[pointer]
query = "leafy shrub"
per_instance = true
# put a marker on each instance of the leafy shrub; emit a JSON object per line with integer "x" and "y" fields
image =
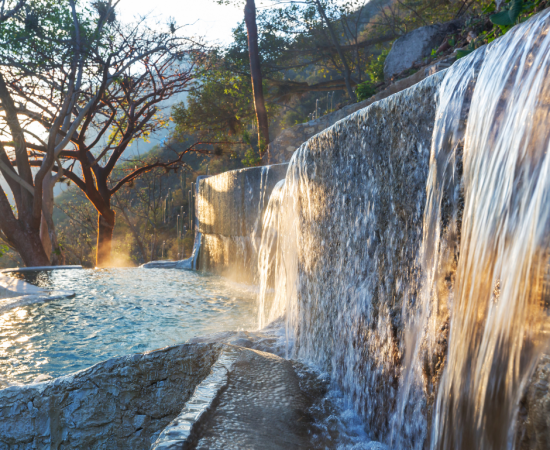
{"x": 364, "y": 90}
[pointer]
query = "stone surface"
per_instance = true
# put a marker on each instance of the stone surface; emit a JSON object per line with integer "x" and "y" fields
{"x": 230, "y": 203}
{"x": 534, "y": 413}
{"x": 229, "y": 210}
{"x": 159, "y": 265}
{"x": 414, "y": 46}
{"x": 361, "y": 194}
{"x": 233, "y": 257}
{"x": 262, "y": 406}
{"x": 40, "y": 268}
{"x": 122, "y": 403}
{"x": 178, "y": 434}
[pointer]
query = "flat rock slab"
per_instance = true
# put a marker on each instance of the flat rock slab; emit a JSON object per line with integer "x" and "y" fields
{"x": 261, "y": 407}
{"x": 252, "y": 400}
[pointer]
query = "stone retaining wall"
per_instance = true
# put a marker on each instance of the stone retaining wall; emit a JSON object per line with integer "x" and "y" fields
{"x": 229, "y": 210}
{"x": 122, "y": 403}
{"x": 361, "y": 191}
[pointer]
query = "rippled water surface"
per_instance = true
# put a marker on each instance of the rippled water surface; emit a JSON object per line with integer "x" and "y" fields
{"x": 116, "y": 312}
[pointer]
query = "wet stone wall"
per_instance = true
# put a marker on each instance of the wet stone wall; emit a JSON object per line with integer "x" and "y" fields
{"x": 229, "y": 210}
{"x": 361, "y": 190}
{"x": 122, "y": 403}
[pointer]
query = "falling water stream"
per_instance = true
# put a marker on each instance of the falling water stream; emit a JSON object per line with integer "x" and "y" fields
{"x": 479, "y": 324}
{"x": 497, "y": 315}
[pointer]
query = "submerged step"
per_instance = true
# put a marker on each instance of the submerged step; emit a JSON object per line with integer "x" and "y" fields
{"x": 251, "y": 399}
{"x": 15, "y": 293}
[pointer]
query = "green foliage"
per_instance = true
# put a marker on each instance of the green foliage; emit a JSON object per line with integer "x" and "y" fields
{"x": 514, "y": 11}
{"x": 462, "y": 53}
{"x": 375, "y": 71}
{"x": 3, "y": 249}
{"x": 364, "y": 90}
{"x": 41, "y": 36}
{"x": 375, "y": 67}
{"x": 221, "y": 105}
{"x": 251, "y": 158}
{"x": 509, "y": 16}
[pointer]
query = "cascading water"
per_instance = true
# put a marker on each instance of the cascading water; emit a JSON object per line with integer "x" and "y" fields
{"x": 427, "y": 310}
{"x": 426, "y": 321}
{"x": 277, "y": 255}
{"x": 497, "y": 315}
{"x": 269, "y": 309}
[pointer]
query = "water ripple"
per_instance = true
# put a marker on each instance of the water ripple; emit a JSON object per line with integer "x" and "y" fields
{"x": 116, "y": 312}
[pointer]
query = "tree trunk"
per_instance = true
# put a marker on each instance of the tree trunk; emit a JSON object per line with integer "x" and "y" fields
{"x": 21, "y": 235}
{"x": 256, "y": 73}
{"x": 105, "y": 227}
{"x": 47, "y": 227}
{"x": 45, "y": 237}
{"x": 31, "y": 250}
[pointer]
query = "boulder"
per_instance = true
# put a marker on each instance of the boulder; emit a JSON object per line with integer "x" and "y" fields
{"x": 411, "y": 48}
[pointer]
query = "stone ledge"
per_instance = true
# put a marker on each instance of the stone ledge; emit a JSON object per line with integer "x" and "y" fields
{"x": 122, "y": 403}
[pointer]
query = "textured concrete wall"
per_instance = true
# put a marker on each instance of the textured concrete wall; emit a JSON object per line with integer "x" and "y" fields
{"x": 230, "y": 203}
{"x": 361, "y": 188}
{"x": 122, "y": 403}
{"x": 229, "y": 209}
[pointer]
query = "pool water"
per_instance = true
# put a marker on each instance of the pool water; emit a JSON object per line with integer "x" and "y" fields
{"x": 116, "y": 312}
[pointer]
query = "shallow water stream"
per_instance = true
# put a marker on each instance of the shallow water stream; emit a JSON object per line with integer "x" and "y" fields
{"x": 116, "y": 312}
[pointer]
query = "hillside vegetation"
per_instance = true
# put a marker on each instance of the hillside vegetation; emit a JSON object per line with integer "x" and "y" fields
{"x": 315, "y": 57}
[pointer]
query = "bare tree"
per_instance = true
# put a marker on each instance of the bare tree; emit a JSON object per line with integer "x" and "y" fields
{"x": 44, "y": 64}
{"x": 122, "y": 100}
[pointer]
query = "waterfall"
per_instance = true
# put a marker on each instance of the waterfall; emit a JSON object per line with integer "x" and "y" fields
{"x": 277, "y": 256}
{"x": 426, "y": 321}
{"x": 269, "y": 308}
{"x": 497, "y": 315}
{"x": 413, "y": 270}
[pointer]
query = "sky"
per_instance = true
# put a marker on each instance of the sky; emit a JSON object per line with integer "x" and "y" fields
{"x": 203, "y": 17}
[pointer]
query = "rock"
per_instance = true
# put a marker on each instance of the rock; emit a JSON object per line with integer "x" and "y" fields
{"x": 251, "y": 400}
{"x": 229, "y": 208}
{"x": 361, "y": 193}
{"x": 122, "y": 403}
{"x": 159, "y": 265}
{"x": 534, "y": 411}
{"x": 411, "y": 48}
